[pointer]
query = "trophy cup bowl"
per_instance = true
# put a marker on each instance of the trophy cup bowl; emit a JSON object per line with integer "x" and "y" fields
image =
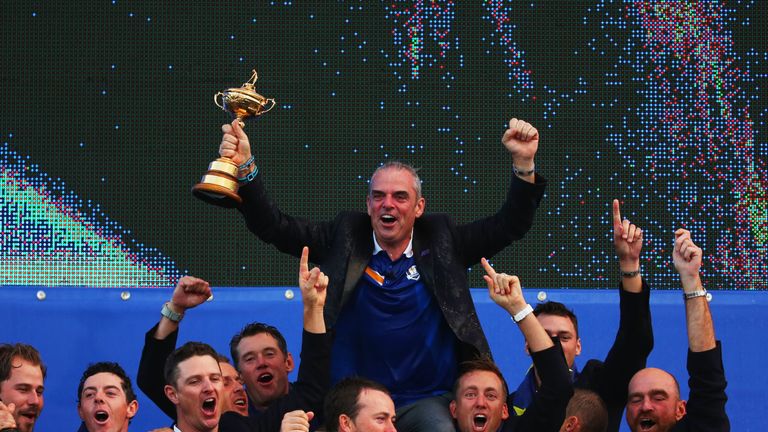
{"x": 219, "y": 185}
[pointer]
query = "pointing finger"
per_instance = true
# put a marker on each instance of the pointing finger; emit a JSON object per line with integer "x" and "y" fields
{"x": 616, "y": 216}
{"x": 487, "y": 267}
{"x": 304, "y": 261}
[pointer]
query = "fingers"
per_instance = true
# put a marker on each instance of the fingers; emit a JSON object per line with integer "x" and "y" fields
{"x": 228, "y": 146}
{"x": 304, "y": 261}
{"x": 685, "y": 247}
{"x": 624, "y": 229}
{"x": 489, "y": 282}
{"x": 317, "y": 279}
{"x": 522, "y": 130}
{"x": 487, "y": 267}
{"x": 193, "y": 285}
{"x": 296, "y": 421}
{"x": 616, "y": 217}
{"x": 322, "y": 282}
{"x": 6, "y": 416}
{"x": 495, "y": 283}
{"x": 237, "y": 129}
{"x": 512, "y": 284}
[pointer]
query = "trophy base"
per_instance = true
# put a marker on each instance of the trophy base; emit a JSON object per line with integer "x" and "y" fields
{"x": 219, "y": 185}
{"x": 216, "y": 195}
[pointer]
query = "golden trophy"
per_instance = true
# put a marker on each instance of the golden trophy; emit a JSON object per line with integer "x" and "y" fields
{"x": 219, "y": 185}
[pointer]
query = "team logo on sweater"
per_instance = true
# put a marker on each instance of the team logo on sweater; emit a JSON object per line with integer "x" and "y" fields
{"x": 412, "y": 273}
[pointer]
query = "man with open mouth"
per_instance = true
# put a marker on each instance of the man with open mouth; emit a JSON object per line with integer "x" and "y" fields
{"x": 261, "y": 358}
{"x": 633, "y": 342}
{"x": 480, "y": 392}
{"x": 194, "y": 386}
{"x": 106, "y": 400}
{"x": 397, "y": 275}
{"x": 654, "y": 403}
{"x": 22, "y": 373}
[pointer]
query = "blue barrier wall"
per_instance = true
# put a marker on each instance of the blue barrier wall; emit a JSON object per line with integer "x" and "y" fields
{"x": 76, "y": 326}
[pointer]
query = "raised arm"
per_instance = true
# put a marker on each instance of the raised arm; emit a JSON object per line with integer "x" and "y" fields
{"x": 687, "y": 259}
{"x": 547, "y": 409}
{"x": 160, "y": 341}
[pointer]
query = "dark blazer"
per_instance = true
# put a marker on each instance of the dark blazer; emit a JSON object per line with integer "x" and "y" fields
{"x": 705, "y": 410}
{"x": 547, "y": 409}
{"x": 307, "y": 393}
{"x": 630, "y": 350}
{"x": 442, "y": 249}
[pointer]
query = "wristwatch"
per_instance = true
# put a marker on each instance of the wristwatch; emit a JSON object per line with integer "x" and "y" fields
{"x": 522, "y": 314}
{"x": 171, "y": 315}
{"x": 692, "y": 295}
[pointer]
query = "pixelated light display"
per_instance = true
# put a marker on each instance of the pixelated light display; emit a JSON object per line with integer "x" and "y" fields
{"x": 657, "y": 103}
{"x": 50, "y": 237}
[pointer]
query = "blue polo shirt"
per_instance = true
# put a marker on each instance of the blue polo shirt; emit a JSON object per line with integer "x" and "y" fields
{"x": 392, "y": 331}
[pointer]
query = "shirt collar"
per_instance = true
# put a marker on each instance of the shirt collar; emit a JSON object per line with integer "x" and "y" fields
{"x": 408, "y": 250}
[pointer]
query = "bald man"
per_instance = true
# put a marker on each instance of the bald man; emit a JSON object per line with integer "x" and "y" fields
{"x": 654, "y": 402}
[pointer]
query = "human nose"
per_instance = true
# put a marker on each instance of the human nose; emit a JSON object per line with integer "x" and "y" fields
{"x": 261, "y": 361}
{"x": 208, "y": 385}
{"x": 34, "y": 398}
{"x": 646, "y": 405}
{"x": 390, "y": 427}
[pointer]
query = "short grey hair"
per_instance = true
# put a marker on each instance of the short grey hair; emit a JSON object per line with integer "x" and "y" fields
{"x": 398, "y": 166}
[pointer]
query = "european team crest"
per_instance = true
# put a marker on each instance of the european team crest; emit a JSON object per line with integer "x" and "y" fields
{"x": 412, "y": 273}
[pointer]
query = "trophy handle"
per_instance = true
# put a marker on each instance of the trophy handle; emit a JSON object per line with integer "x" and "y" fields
{"x": 272, "y": 102}
{"x": 216, "y": 100}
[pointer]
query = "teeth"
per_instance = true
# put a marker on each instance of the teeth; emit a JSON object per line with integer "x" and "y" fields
{"x": 101, "y": 416}
{"x": 265, "y": 378}
{"x": 209, "y": 403}
{"x": 480, "y": 420}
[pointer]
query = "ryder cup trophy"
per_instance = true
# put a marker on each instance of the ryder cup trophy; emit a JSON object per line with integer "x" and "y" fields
{"x": 219, "y": 185}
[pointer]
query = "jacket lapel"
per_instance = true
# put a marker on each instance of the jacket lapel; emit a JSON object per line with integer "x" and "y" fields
{"x": 423, "y": 257}
{"x": 358, "y": 260}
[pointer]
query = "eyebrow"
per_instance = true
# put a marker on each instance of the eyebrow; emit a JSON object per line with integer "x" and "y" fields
{"x": 652, "y": 392}
{"x": 105, "y": 388}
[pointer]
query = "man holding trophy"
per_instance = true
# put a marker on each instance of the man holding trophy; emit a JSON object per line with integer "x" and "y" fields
{"x": 398, "y": 297}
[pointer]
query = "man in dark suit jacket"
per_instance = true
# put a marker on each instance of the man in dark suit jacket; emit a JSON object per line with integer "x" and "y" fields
{"x": 634, "y": 339}
{"x": 654, "y": 395}
{"x": 260, "y": 353}
{"x": 398, "y": 276}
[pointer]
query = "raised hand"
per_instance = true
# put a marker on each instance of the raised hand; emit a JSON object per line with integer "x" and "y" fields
{"x": 313, "y": 283}
{"x": 296, "y": 421}
{"x": 686, "y": 256}
{"x": 234, "y": 143}
{"x": 6, "y": 416}
{"x": 189, "y": 292}
{"x": 627, "y": 239}
{"x": 522, "y": 140}
{"x": 505, "y": 290}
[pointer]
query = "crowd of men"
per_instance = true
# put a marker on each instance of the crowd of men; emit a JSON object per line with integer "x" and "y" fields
{"x": 397, "y": 275}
